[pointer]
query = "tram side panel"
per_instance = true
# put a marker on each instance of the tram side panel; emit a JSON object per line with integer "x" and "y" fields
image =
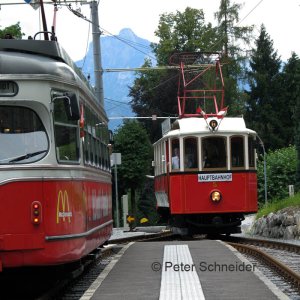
{"x": 77, "y": 215}
{"x": 97, "y": 201}
{"x": 18, "y": 233}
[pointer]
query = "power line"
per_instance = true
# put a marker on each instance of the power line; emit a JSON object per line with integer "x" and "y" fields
{"x": 80, "y": 15}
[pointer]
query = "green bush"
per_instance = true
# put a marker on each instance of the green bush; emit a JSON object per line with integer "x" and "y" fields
{"x": 281, "y": 170}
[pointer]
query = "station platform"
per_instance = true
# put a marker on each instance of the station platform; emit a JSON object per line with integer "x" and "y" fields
{"x": 202, "y": 269}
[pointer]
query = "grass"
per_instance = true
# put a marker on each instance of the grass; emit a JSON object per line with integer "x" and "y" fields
{"x": 278, "y": 205}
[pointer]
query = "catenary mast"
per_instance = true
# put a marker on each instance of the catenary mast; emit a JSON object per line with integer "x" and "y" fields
{"x": 97, "y": 53}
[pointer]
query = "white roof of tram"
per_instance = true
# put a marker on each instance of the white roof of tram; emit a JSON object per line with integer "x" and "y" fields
{"x": 194, "y": 126}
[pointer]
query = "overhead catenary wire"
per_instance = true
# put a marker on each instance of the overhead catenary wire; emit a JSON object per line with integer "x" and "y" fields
{"x": 80, "y": 15}
{"x": 87, "y": 46}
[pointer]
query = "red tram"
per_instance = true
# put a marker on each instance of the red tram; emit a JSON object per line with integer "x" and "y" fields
{"x": 205, "y": 163}
{"x": 55, "y": 180}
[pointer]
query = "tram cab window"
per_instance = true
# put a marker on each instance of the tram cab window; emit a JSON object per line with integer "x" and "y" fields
{"x": 190, "y": 153}
{"x": 214, "y": 152}
{"x": 23, "y": 138}
{"x": 66, "y": 133}
{"x": 175, "y": 154}
{"x": 237, "y": 152}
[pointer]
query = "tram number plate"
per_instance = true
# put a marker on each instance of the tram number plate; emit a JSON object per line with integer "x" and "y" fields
{"x": 8, "y": 88}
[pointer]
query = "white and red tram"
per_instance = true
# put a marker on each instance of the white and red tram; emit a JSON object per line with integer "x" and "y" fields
{"x": 205, "y": 164}
{"x": 55, "y": 180}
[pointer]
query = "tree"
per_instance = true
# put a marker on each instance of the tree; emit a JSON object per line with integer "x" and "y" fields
{"x": 183, "y": 32}
{"x": 262, "y": 106}
{"x": 131, "y": 140}
{"x": 230, "y": 35}
{"x": 14, "y": 30}
{"x": 281, "y": 167}
{"x": 292, "y": 82}
{"x": 156, "y": 92}
{"x": 289, "y": 83}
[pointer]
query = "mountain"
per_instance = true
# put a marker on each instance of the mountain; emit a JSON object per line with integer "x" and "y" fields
{"x": 126, "y": 50}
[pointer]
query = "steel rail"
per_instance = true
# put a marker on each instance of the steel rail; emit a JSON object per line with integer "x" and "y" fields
{"x": 265, "y": 243}
{"x": 281, "y": 268}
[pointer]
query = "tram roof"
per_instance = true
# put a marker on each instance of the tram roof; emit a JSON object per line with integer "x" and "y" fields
{"x": 194, "y": 126}
{"x": 42, "y": 50}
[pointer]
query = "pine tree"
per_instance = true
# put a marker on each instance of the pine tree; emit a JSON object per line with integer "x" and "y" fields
{"x": 292, "y": 75}
{"x": 289, "y": 92}
{"x": 262, "y": 105}
{"x": 230, "y": 37}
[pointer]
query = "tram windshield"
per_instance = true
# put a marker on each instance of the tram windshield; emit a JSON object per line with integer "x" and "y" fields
{"x": 23, "y": 138}
{"x": 214, "y": 152}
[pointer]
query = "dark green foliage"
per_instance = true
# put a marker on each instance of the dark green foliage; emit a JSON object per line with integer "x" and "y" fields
{"x": 14, "y": 30}
{"x": 154, "y": 93}
{"x": 183, "y": 32}
{"x": 289, "y": 88}
{"x": 131, "y": 140}
{"x": 291, "y": 83}
{"x": 281, "y": 168}
{"x": 263, "y": 103}
{"x": 230, "y": 35}
{"x": 147, "y": 203}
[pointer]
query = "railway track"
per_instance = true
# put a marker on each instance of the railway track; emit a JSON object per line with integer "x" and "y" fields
{"x": 282, "y": 261}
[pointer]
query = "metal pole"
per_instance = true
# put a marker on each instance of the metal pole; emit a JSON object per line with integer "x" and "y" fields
{"x": 265, "y": 170}
{"x": 44, "y": 21}
{"x": 117, "y": 202}
{"x": 97, "y": 53}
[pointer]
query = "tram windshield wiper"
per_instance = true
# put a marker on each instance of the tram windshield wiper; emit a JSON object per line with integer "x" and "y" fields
{"x": 26, "y": 156}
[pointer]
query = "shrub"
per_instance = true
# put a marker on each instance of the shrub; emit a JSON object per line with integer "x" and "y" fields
{"x": 281, "y": 170}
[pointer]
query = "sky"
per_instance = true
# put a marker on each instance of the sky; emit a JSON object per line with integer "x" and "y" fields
{"x": 281, "y": 19}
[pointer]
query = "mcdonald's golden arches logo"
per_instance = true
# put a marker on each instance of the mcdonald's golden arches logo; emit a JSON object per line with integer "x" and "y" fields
{"x": 63, "y": 211}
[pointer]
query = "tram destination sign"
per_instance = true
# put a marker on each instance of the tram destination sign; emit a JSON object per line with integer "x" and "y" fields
{"x": 8, "y": 88}
{"x": 215, "y": 177}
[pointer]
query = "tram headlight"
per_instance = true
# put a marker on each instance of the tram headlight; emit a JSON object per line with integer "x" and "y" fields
{"x": 215, "y": 196}
{"x": 213, "y": 124}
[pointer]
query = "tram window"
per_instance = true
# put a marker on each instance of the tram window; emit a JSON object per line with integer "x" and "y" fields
{"x": 251, "y": 150}
{"x": 102, "y": 155}
{"x": 97, "y": 152}
{"x": 66, "y": 134}
{"x": 237, "y": 151}
{"x": 85, "y": 147}
{"x": 92, "y": 140}
{"x": 190, "y": 153}
{"x": 214, "y": 152}
{"x": 23, "y": 138}
{"x": 175, "y": 154}
{"x": 66, "y": 139}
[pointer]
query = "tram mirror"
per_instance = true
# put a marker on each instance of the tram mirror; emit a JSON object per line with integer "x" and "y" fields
{"x": 72, "y": 107}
